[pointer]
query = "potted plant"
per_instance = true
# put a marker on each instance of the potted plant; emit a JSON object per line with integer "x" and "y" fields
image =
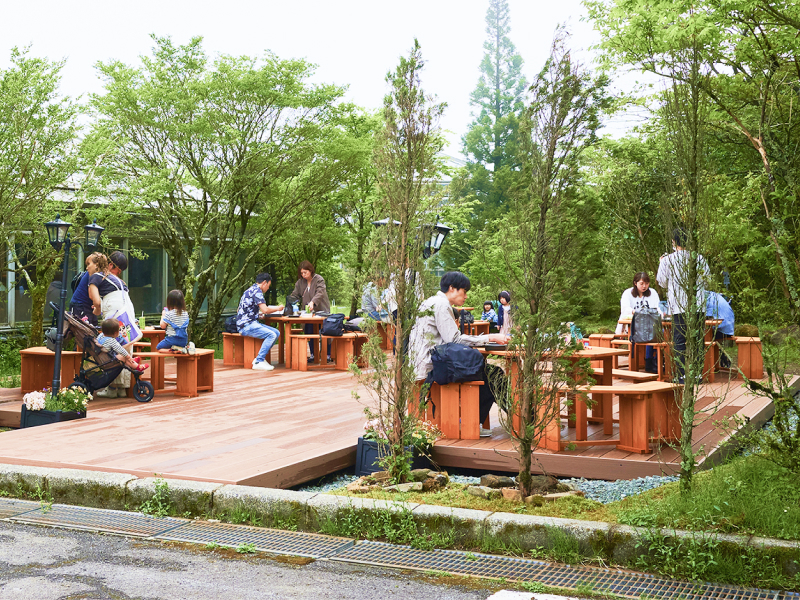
{"x": 372, "y": 450}
{"x": 41, "y": 408}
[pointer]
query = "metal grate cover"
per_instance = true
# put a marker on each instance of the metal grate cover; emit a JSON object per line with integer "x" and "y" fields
{"x": 96, "y": 519}
{"x": 10, "y": 507}
{"x": 621, "y": 583}
{"x": 267, "y": 540}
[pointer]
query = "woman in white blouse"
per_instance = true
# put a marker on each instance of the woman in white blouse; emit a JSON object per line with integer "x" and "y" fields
{"x": 636, "y": 297}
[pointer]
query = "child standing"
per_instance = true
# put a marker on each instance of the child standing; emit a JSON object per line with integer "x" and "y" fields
{"x": 488, "y": 313}
{"x": 175, "y": 320}
{"x": 504, "y": 314}
{"x": 108, "y": 340}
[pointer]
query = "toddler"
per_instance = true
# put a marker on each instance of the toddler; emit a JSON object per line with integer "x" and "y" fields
{"x": 175, "y": 320}
{"x": 108, "y": 340}
{"x": 488, "y": 313}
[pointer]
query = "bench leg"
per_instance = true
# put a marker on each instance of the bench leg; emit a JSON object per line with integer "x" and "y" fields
{"x": 633, "y": 423}
{"x": 186, "y": 382}
{"x": 450, "y": 414}
{"x": 470, "y": 411}
{"x": 435, "y": 402}
{"x": 250, "y": 349}
{"x": 665, "y": 417}
{"x": 298, "y": 351}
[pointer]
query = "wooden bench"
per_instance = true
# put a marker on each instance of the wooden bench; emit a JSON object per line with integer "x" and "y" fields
{"x": 457, "y": 412}
{"x": 749, "y": 357}
{"x": 195, "y": 372}
{"x": 343, "y": 349}
{"x": 239, "y": 350}
{"x": 635, "y": 376}
{"x": 386, "y": 331}
{"x": 38, "y": 364}
{"x": 643, "y": 408}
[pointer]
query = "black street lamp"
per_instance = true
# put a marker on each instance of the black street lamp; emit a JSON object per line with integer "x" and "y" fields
{"x": 58, "y": 235}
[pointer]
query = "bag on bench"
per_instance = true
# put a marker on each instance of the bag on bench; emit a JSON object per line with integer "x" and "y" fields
{"x": 646, "y": 326}
{"x": 333, "y": 325}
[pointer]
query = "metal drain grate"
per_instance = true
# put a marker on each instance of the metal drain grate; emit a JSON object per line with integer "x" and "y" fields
{"x": 10, "y": 507}
{"x": 267, "y": 540}
{"x": 96, "y": 519}
{"x": 621, "y": 583}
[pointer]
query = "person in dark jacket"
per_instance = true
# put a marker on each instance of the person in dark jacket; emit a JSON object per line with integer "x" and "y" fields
{"x": 311, "y": 290}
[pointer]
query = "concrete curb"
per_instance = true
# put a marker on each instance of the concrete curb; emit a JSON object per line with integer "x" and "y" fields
{"x": 304, "y": 511}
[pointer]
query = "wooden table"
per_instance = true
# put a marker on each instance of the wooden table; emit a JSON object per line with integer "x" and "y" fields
{"x": 38, "y": 364}
{"x": 478, "y": 328}
{"x": 154, "y": 336}
{"x": 635, "y": 357}
{"x": 195, "y": 372}
{"x": 301, "y": 320}
{"x": 603, "y": 408}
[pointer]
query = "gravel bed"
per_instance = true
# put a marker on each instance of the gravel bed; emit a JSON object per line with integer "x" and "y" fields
{"x": 601, "y": 491}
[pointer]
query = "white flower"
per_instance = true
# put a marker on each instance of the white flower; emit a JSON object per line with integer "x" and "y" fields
{"x": 34, "y": 400}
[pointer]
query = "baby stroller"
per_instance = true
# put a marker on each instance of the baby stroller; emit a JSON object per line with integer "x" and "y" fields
{"x": 99, "y": 367}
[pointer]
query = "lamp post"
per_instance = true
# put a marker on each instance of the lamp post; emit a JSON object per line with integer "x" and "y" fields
{"x": 58, "y": 235}
{"x": 434, "y": 235}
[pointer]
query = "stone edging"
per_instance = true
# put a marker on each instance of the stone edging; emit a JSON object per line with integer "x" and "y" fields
{"x": 308, "y": 511}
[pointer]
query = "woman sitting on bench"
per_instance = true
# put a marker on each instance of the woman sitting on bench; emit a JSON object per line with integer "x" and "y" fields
{"x": 438, "y": 327}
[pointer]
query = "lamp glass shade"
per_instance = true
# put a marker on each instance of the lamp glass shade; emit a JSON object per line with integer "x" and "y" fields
{"x": 57, "y": 232}
{"x": 93, "y": 232}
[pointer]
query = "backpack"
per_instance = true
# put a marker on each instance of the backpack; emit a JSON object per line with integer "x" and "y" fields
{"x": 465, "y": 318}
{"x": 76, "y": 280}
{"x": 351, "y": 328}
{"x": 230, "y": 325}
{"x": 454, "y": 363}
{"x": 333, "y": 325}
{"x": 646, "y": 326}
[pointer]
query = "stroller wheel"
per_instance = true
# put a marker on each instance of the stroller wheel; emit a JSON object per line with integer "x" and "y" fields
{"x": 77, "y": 385}
{"x": 143, "y": 391}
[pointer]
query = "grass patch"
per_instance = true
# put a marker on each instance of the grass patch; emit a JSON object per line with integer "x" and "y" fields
{"x": 748, "y": 495}
{"x": 10, "y": 363}
{"x": 573, "y": 507}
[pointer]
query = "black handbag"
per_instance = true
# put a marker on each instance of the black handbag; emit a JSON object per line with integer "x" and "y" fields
{"x": 646, "y": 326}
{"x": 333, "y": 325}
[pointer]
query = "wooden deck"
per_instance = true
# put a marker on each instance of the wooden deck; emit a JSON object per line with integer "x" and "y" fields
{"x": 283, "y": 428}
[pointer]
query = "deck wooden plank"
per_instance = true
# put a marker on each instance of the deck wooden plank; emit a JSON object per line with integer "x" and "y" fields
{"x": 286, "y": 427}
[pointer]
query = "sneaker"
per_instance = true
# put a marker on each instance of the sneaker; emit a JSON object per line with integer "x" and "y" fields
{"x": 179, "y": 349}
{"x": 122, "y": 392}
{"x": 263, "y": 366}
{"x": 190, "y": 348}
{"x": 109, "y": 392}
{"x": 485, "y": 432}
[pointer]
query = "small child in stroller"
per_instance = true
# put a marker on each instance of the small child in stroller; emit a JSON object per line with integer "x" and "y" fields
{"x": 108, "y": 339}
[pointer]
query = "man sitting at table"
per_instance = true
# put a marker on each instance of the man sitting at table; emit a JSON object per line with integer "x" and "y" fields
{"x": 251, "y": 307}
{"x": 439, "y": 327}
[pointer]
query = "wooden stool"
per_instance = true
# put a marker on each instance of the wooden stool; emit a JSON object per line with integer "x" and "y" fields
{"x": 38, "y": 364}
{"x": 239, "y": 350}
{"x": 457, "y": 412}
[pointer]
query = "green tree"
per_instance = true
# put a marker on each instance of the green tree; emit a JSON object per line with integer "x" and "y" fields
{"x": 408, "y": 167}
{"x": 556, "y": 129}
{"x": 219, "y": 158}
{"x": 38, "y": 155}
{"x": 749, "y": 49}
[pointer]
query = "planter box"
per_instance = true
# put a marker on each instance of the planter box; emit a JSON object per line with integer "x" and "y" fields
{"x": 368, "y": 452}
{"x": 32, "y": 418}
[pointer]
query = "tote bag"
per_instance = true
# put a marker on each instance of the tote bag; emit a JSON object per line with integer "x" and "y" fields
{"x": 117, "y": 305}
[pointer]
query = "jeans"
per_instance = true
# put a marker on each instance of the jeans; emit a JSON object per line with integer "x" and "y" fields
{"x": 680, "y": 333}
{"x": 260, "y": 331}
{"x": 173, "y": 340}
{"x": 378, "y": 316}
{"x": 309, "y": 329}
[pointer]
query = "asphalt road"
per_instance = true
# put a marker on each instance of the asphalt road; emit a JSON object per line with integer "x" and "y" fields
{"x": 38, "y": 563}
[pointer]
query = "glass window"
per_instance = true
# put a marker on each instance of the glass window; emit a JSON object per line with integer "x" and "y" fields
{"x": 145, "y": 280}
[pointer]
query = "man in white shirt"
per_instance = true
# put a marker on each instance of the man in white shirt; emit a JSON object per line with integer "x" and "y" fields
{"x": 436, "y": 326}
{"x": 673, "y": 272}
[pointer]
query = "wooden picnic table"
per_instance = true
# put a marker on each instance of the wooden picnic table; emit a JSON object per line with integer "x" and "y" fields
{"x": 195, "y": 372}
{"x": 287, "y": 322}
{"x": 603, "y": 407}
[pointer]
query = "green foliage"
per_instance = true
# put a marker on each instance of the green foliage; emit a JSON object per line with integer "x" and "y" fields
{"x": 214, "y": 160}
{"x": 38, "y": 155}
{"x": 748, "y": 495}
{"x": 10, "y": 363}
{"x": 246, "y": 548}
{"x": 159, "y": 505}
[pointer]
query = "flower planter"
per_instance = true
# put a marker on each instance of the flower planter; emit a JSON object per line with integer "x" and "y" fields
{"x": 368, "y": 452}
{"x": 32, "y": 418}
